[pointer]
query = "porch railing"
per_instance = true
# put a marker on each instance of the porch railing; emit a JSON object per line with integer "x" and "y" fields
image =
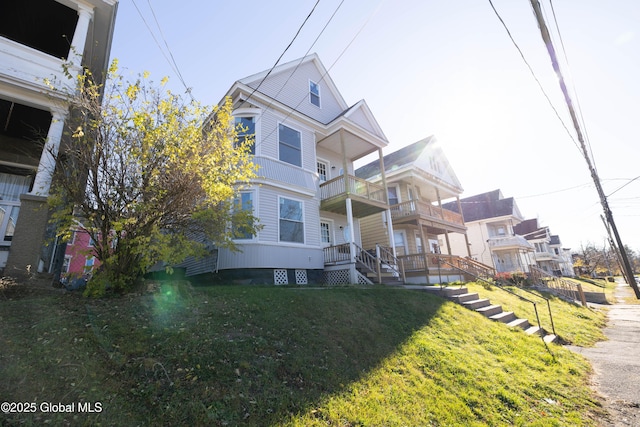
{"x": 354, "y": 185}
{"x": 413, "y": 207}
{"x": 373, "y": 261}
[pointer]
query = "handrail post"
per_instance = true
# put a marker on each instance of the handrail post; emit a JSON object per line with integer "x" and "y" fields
{"x": 535, "y": 308}
{"x": 378, "y": 264}
{"x": 553, "y": 328}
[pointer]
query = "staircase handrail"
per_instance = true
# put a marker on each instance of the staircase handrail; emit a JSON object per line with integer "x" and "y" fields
{"x": 366, "y": 259}
{"x": 499, "y": 284}
{"x": 386, "y": 256}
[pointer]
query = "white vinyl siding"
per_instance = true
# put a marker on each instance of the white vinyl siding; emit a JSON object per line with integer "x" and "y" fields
{"x": 295, "y": 93}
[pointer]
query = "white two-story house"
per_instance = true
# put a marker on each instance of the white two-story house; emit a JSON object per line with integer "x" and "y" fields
{"x": 38, "y": 38}
{"x": 306, "y": 196}
{"x": 492, "y": 240}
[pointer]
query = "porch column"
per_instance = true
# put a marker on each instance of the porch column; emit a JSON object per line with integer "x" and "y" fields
{"x": 425, "y": 252}
{"x": 352, "y": 246}
{"x": 392, "y": 240}
{"x": 42, "y": 181}
{"x": 345, "y": 170}
{"x": 446, "y": 232}
{"x": 76, "y": 51}
{"x": 466, "y": 238}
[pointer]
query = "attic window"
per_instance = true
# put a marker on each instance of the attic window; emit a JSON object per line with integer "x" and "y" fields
{"x": 314, "y": 93}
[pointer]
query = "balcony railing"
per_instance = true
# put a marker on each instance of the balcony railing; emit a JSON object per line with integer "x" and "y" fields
{"x": 509, "y": 242}
{"x": 417, "y": 207}
{"x": 8, "y": 216}
{"x": 354, "y": 186}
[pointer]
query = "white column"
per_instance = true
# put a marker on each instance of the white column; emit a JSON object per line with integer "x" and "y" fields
{"x": 47, "y": 165}
{"x": 392, "y": 238}
{"x": 85, "y": 15}
{"x": 352, "y": 238}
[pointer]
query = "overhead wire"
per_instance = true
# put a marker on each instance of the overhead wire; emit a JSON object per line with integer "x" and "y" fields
{"x": 533, "y": 74}
{"x": 573, "y": 86}
{"x": 294, "y": 108}
{"x": 282, "y": 54}
{"x": 172, "y": 64}
{"x": 301, "y": 60}
{"x": 173, "y": 60}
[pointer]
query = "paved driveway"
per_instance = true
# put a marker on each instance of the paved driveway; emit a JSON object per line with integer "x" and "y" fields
{"x": 617, "y": 361}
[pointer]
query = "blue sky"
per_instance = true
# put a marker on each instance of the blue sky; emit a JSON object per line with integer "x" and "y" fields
{"x": 439, "y": 68}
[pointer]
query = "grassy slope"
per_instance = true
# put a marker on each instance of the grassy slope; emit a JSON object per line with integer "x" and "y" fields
{"x": 284, "y": 356}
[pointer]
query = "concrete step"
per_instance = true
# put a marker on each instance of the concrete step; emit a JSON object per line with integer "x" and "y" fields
{"x": 476, "y": 304}
{"x": 490, "y": 310}
{"x": 519, "y": 323}
{"x": 550, "y": 338}
{"x": 460, "y": 298}
{"x": 534, "y": 330}
{"x": 450, "y": 292}
{"x": 504, "y": 317}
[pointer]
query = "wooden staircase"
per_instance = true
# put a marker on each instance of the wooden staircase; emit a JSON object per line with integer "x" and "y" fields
{"x": 472, "y": 301}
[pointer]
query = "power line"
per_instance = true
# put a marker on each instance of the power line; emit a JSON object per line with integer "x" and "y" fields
{"x": 299, "y": 62}
{"x": 533, "y": 74}
{"x": 169, "y": 50}
{"x": 573, "y": 86}
{"x": 283, "y": 52}
{"x": 292, "y": 109}
{"x": 172, "y": 64}
{"x": 624, "y": 260}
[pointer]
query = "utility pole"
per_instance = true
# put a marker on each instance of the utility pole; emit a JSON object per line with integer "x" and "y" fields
{"x": 544, "y": 31}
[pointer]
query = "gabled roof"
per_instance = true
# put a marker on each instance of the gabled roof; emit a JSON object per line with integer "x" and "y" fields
{"x": 485, "y": 206}
{"x": 530, "y": 229}
{"x": 270, "y": 82}
{"x": 416, "y": 155}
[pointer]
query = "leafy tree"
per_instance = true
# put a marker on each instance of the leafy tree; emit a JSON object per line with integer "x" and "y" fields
{"x": 149, "y": 176}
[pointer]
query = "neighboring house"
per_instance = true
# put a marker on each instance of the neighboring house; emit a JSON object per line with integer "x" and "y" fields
{"x": 547, "y": 254}
{"x": 566, "y": 262}
{"x": 419, "y": 177}
{"x": 79, "y": 260}
{"x": 490, "y": 219}
{"x": 307, "y": 199}
{"x": 38, "y": 37}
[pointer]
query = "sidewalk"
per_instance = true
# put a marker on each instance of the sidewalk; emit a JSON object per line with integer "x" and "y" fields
{"x": 616, "y": 362}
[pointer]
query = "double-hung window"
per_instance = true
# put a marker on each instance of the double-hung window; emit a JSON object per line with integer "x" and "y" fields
{"x": 314, "y": 93}
{"x": 244, "y": 203}
{"x": 291, "y": 221}
{"x": 246, "y": 130}
{"x": 290, "y": 147}
{"x": 322, "y": 170}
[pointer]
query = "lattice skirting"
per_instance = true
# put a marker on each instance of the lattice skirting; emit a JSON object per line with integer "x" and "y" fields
{"x": 337, "y": 277}
{"x": 301, "y": 277}
{"x": 280, "y": 277}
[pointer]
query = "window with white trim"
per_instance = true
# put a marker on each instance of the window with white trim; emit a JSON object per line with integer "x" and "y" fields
{"x": 392, "y": 192}
{"x": 322, "y": 170}
{"x": 291, "y": 221}
{"x": 289, "y": 144}
{"x": 314, "y": 93}
{"x": 325, "y": 232}
{"x": 244, "y": 202}
{"x": 246, "y": 129}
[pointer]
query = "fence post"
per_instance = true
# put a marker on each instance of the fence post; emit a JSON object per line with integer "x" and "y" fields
{"x": 583, "y": 299}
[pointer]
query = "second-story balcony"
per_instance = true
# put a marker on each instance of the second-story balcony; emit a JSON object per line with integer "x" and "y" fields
{"x": 366, "y": 198}
{"x": 416, "y": 210}
{"x": 510, "y": 242}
